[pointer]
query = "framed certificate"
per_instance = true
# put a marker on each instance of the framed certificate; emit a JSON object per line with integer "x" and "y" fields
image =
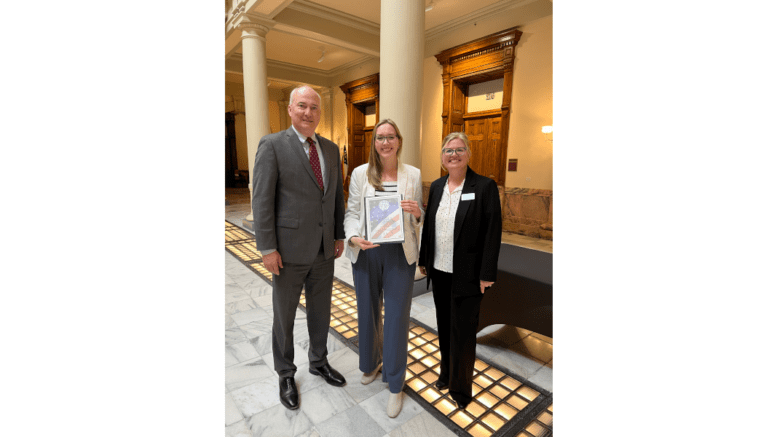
{"x": 384, "y": 219}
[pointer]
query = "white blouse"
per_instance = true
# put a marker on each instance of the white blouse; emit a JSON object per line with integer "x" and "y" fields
{"x": 443, "y": 231}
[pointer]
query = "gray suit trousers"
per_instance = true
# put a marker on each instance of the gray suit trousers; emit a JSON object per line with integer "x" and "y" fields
{"x": 286, "y": 290}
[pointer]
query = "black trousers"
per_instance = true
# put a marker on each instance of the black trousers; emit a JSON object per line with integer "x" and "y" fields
{"x": 457, "y": 322}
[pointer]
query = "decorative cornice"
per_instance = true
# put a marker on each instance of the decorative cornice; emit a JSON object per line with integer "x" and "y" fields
{"x": 239, "y": 8}
{"x": 481, "y": 52}
{"x": 253, "y": 21}
{"x": 336, "y": 16}
{"x": 301, "y": 69}
{"x": 249, "y": 20}
{"x": 307, "y": 33}
{"x": 495, "y": 9}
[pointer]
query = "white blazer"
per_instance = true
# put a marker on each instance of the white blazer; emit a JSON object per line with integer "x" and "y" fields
{"x": 409, "y": 184}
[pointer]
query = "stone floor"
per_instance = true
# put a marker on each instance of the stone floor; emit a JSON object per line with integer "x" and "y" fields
{"x": 251, "y": 386}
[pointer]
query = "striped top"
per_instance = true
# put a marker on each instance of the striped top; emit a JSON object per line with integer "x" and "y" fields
{"x": 389, "y": 188}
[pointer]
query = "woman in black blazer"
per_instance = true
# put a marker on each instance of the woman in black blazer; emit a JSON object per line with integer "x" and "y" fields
{"x": 460, "y": 244}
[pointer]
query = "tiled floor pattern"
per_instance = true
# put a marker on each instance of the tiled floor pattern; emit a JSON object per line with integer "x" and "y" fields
{"x": 504, "y": 405}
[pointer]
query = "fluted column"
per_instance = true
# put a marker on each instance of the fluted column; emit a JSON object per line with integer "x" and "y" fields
{"x": 255, "y": 88}
{"x": 401, "y": 71}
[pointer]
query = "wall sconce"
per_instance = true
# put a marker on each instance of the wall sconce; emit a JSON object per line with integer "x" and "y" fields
{"x": 430, "y": 7}
{"x": 323, "y": 52}
{"x": 548, "y": 131}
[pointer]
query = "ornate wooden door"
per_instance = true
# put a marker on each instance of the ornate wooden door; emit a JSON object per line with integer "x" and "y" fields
{"x": 485, "y": 144}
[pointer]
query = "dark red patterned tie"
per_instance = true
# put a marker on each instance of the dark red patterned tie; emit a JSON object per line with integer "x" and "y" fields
{"x": 315, "y": 163}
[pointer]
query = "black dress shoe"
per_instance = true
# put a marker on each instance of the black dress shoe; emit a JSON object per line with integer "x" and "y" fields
{"x": 441, "y": 385}
{"x": 289, "y": 395}
{"x": 330, "y": 375}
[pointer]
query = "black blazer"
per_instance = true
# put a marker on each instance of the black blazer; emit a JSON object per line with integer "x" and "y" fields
{"x": 477, "y": 233}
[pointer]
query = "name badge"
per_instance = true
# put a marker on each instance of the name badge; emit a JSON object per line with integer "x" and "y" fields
{"x": 468, "y": 196}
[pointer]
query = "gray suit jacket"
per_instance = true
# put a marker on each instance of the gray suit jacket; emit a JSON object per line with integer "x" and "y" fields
{"x": 291, "y": 213}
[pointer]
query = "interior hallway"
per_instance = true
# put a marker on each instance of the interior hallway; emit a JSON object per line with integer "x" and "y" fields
{"x": 252, "y": 404}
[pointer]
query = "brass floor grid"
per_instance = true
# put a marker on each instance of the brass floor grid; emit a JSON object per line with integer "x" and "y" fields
{"x": 504, "y": 405}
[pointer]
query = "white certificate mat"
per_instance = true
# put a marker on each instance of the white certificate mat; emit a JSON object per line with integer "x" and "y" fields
{"x": 384, "y": 219}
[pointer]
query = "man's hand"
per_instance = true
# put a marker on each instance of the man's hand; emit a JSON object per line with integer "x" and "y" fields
{"x": 273, "y": 262}
{"x": 339, "y": 245}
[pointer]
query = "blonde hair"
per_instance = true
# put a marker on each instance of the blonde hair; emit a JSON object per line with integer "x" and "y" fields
{"x": 374, "y": 165}
{"x": 455, "y": 136}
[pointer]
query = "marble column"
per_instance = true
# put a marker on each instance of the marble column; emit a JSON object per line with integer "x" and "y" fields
{"x": 256, "y": 92}
{"x": 326, "y": 113}
{"x": 283, "y": 107}
{"x": 401, "y": 71}
{"x": 286, "y": 102}
{"x": 241, "y": 141}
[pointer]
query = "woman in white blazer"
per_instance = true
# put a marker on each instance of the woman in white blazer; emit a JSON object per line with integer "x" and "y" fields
{"x": 384, "y": 272}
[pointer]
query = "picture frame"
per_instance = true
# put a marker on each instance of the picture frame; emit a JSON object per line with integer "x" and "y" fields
{"x": 384, "y": 219}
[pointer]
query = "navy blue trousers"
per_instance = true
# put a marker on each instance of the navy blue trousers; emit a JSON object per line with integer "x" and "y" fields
{"x": 382, "y": 275}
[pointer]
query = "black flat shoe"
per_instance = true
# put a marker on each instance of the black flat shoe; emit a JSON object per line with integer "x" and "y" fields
{"x": 462, "y": 405}
{"x": 441, "y": 385}
{"x": 289, "y": 395}
{"x": 330, "y": 375}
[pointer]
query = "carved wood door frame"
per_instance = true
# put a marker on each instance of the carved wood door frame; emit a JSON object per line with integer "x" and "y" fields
{"x": 488, "y": 58}
{"x": 359, "y": 94}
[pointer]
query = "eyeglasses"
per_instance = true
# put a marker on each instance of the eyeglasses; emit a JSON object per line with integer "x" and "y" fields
{"x": 458, "y": 151}
{"x": 380, "y": 139}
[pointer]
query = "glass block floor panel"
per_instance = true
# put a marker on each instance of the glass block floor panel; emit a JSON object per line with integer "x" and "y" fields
{"x": 503, "y": 404}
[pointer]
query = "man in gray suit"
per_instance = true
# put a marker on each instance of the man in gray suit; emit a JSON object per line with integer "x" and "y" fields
{"x": 298, "y": 222}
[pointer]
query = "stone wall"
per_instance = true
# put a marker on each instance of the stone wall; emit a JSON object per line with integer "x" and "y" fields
{"x": 525, "y": 211}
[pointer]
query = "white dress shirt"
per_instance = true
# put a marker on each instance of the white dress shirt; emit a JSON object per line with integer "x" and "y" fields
{"x": 443, "y": 231}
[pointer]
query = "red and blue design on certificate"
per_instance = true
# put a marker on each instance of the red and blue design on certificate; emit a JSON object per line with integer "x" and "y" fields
{"x": 384, "y": 222}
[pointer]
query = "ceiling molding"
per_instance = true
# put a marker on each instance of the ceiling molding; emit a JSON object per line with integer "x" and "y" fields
{"x": 492, "y": 10}
{"x": 336, "y": 16}
{"x": 322, "y": 73}
{"x": 254, "y": 18}
{"x": 278, "y": 84}
{"x": 280, "y": 8}
{"x": 238, "y": 58}
{"x": 291, "y": 30}
{"x": 353, "y": 64}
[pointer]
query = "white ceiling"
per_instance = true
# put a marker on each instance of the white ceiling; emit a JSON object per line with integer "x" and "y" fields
{"x": 346, "y": 31}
